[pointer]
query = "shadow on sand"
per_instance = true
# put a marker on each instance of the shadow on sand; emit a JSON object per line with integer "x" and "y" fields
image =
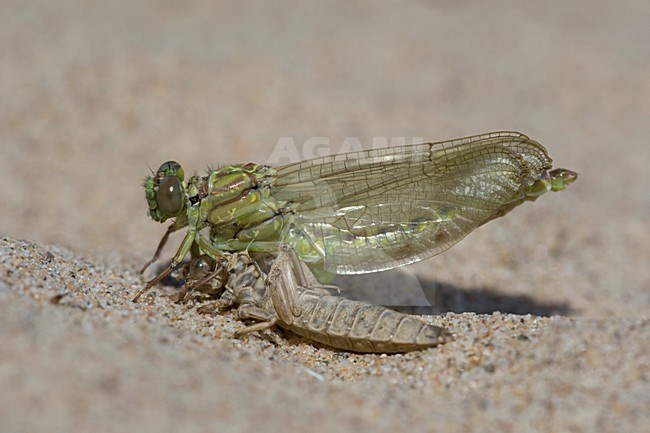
{"x": 449, "y": 298}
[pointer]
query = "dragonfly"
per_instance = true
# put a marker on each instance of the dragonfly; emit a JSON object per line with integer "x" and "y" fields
{"x": 352, "y": 213}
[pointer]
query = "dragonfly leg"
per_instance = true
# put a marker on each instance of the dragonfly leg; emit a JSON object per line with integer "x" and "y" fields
{"x": 183, "y": 295}
{"x": 225, "y": 301}
{"x": 266, "y": 318}
{"x": 184, "y": 248}
{"x": 208, "y": 248}
{"x": 171, "y": 229}
{"x": 153, "y": 282}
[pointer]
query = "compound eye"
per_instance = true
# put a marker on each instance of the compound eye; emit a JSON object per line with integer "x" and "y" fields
{"x": 202, "y": 266}
{"x": 171, "y": 168}
{"x": 170, "y": 195}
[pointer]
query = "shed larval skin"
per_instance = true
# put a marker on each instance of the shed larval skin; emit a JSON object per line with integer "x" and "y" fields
{"x": 290, "y": 297}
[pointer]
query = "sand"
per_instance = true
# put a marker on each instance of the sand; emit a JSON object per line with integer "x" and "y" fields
{"x": 548, "y": 306}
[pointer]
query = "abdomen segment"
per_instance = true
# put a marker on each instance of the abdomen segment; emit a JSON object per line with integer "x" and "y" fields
{"x": 361, "y": 327}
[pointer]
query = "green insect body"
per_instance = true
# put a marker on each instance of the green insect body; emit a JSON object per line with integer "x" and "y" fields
{"x": 358, "y": 212}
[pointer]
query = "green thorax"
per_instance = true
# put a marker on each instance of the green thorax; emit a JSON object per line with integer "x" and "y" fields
{"x": 236, "y": 202}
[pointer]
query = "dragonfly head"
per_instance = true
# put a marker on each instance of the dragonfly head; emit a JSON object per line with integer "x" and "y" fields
{"x": 554, "y": 180}
{"x": 165, "y": 192}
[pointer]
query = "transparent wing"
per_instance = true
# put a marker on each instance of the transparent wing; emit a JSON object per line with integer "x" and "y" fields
{"x": 379, "y": 209}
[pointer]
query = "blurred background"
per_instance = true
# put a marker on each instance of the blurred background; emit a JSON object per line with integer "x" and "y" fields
{"x": 92, "y": 94}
